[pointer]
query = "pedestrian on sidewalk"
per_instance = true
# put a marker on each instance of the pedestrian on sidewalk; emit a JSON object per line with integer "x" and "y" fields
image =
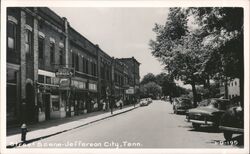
{"x": 103, "y": 105}
{"x": 120, "y": 103}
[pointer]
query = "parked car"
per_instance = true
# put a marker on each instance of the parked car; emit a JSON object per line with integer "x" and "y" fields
{"x": 208, "y": 112}
{"x": 144, "y": 102}
{"x": 232, "y": 121}
{"x": 182, "y": 105}
{"x": 149, "y": 100}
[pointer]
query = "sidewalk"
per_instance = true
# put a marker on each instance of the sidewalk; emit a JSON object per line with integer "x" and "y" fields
{"x": 52, "y": 127}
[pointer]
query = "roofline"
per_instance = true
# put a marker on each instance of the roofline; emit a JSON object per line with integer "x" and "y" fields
{"x": 132, "y": 58}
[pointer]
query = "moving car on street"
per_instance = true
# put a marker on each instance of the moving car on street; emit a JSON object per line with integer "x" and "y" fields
{"x": 232, "y": 121}
{"x": 144, "y": 102}
{"x": 208, "y": 112}
{"x": 181, "y": 105}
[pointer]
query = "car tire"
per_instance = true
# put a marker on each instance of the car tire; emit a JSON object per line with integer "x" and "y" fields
{"x": 227, "y": 135}
{"x": 196, "y": 126}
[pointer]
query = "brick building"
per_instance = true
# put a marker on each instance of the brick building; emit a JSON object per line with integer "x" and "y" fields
{"x": 40, "y": 44}
{"x": 133, "y": 77}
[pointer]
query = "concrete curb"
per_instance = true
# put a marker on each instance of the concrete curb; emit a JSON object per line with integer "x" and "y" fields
{"x": 62, "y": 131}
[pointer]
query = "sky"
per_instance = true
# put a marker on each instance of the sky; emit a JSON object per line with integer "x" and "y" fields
{"x": 120, "y": 32}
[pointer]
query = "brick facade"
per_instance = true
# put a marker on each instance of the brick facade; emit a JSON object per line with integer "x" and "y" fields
{"x": 44, "y": 42}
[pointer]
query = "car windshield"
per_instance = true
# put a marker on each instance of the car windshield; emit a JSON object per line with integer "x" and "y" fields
{"x": 186, "y": 101}
{"x": 214, "y": 103}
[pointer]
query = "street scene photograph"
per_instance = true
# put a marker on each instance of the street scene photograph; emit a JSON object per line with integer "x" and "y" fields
{"x": 125, "y": 78}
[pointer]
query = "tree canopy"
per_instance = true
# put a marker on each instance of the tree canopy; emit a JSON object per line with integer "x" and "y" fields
{"x": 214, "y": 49}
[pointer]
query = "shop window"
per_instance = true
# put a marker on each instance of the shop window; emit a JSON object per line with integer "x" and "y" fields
{"x": 55, "y": 81}
{"x": 55, "y": 101}
{"x": 28, "y": 41}
{"x": 11, "y": 101}
{"x": 235, "y": 83}
{"x": 11, "y": 93}
{"x": 82, "y": 85}
{"x": 52, "y": 52}
{"x": 41, "y": 47}
{"x": 92, "y": 86}
{"x": 40, "y": 78}
{"x": 11, "y": 34}
{"x": 11, "y": 76}
{"x": 48, "y": 80}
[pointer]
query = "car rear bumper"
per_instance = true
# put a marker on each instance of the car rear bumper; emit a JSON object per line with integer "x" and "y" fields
{"x": 201, "y": 122}
{"x": 180, "y": 110}
{"x": 232, "y": 129}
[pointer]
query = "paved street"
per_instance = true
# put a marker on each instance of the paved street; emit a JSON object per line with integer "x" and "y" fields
{"x": 153, "y": 126}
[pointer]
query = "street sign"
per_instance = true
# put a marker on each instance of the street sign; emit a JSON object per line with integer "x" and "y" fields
{"x": 64, "y": 73}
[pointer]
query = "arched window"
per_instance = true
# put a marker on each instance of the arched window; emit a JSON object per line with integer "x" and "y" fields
{"x": 28, "y": 41}
{"x": 11, "y": 34}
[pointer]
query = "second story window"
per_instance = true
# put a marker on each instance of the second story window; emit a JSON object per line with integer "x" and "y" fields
{"x": 28, "y": 40}
{"x": 52, "y": 53}
{"x": 77, "y": 62}
{"x": 11, "y": 29}
{"x": 73, "y": 59}
{"x": 41, "y": 48}
{"x": 93, "y": 69}
{"x": 61, "y": 56}
{"x": 87, "y": 66}
{"x": 83, "y": 65}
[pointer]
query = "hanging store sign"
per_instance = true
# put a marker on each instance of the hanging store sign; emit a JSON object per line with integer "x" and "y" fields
{"x": 64, "y": 73}
{"x": 130, "y": 91}
{"x": 65, "y": 84}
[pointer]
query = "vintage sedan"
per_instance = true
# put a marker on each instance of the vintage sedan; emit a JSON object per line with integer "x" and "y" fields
{"x": 182, "y": 105}
{"x": 232, "y": 121}
{"x": 208, "y": 112}
{"x": 144, "y": 102}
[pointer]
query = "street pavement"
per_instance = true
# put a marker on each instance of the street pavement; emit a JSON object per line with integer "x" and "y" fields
{"x": 56, "y": 126}
{"x": 152, "y": 126}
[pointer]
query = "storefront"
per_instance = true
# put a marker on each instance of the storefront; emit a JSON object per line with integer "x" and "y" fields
{"x": 79, "y": 97}
{"x": 50, "y": 102}
{"x": 13, "y": 95}
{"x": 92, "y": 100}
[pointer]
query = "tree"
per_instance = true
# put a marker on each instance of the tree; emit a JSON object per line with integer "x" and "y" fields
{"x": 150, "y": 77}
{"x": 214, "y": 49}
{"x": 223, "y": 30}
{"x": 150, "y": 89}
{"x": 178, "y": 49}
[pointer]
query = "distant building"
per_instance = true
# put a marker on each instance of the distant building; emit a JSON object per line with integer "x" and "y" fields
{"x": 133, "y": 77}
{"x": 233, "y": 88}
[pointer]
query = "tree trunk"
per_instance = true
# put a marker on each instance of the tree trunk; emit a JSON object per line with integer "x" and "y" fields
{"x": 194, "y": 94}
{"x": 226, "y": 88}
{"x": 208, "y": 81}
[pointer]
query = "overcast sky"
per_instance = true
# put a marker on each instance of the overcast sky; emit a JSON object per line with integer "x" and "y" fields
{"x": 120, "y": 32}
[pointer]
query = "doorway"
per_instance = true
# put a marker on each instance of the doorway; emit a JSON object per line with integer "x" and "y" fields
{"x": 46, "y": 99}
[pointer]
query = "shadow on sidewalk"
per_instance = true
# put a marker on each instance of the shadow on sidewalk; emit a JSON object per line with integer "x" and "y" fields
{"x": 57, "y": 122}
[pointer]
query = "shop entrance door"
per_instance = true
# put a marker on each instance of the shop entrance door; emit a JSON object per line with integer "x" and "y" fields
{"x": 30, "y": 103}
{"x": 47, "y": 106}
